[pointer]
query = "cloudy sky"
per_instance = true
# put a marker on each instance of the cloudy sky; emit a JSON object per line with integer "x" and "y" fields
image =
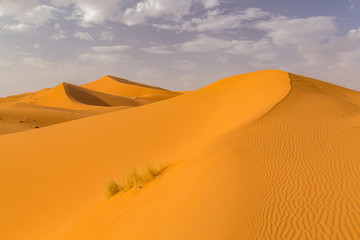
{"x": 180, "y": 45}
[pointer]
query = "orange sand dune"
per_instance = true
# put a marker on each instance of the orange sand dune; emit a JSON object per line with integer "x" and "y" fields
{"x": 256, "y": 156}
{"x": 63, "y": 103}
{"x": 122, "y": 87}
{"x": 19, "y": 116}
{"x": 28, "y": 93}
{"x": 71, "y": 96}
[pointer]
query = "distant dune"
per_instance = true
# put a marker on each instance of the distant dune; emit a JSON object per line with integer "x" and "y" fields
{"x": 67, "y": 102}
{"x": 71, "y": 96}
{"x": 122, "y": 87}
{"x": 262, "y": 155}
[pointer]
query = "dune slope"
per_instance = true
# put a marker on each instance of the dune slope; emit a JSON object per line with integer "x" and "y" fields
{"x": 305, "y": 154}
{"x": 62, "y": 169}
{"x": 291, "y": 174}
{"x": 20, "y": 116}
{"x": 263, "y": 155}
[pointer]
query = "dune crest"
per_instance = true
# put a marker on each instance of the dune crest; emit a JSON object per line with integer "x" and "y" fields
{"x": 122, "y": 87}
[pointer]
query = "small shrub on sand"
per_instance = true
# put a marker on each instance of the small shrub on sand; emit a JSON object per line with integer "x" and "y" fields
{"x": 134, "y": 179}
{"x": 151, "y": 173}
{"x": 111, "y": 189}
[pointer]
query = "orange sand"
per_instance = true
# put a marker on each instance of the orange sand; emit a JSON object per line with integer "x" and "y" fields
{"x": 256, "y": 156}
{"x": 122, "y": 87}
{"x": 68, "y": 102}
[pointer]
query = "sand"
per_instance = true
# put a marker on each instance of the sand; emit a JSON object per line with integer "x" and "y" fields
{"x": 263, "y": 155}
{"x": 123, "y": 87}
{"x": 67, "y": 102}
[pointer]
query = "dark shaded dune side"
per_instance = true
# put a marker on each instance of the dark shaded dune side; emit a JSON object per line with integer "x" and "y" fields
{"x": 90, "y": 97}
{"x": 85, "y": 97}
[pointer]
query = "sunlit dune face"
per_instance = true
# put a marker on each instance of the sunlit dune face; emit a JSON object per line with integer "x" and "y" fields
{"x": 262, "y": 155}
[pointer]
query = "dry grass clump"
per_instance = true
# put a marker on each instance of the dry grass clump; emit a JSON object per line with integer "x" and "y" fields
{"x": 111, "y": 189}
{"x": 134, "y": 179}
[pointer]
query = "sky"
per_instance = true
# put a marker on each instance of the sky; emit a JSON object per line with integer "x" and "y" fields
{"x": 178, "y": 45}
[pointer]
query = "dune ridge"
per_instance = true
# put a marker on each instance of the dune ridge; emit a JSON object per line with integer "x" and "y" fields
{"x": 263, "y": 155}
{"x": 119, "y": 86}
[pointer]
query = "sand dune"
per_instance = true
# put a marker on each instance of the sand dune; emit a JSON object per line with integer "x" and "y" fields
{"x": 66, "y": 102}
{"x": 71, "y": 96}
{"x": 263, "y": 155}
{"x": 122, "y": 87}
{"x": 28, "y": 93}
{"x": 18, "y": 116}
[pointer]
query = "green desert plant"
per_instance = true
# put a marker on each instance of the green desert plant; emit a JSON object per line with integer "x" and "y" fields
{"x": 134, "y": 179}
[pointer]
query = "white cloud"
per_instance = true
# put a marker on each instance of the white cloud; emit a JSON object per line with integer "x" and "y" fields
{"x": 61, "y": 34}
{"x": 291, "y": 44}
{"x": 189, "y": 80}
{"x": 5, "y": 64}
{"x": 157, "y": 50}
{"x": 83, "y": 36}
{"x": 98, "y": 57}
{"x": 20, "y": 27}
{"x": 215, "y": 20}
{"x": 90, "y": 12}
{"x": 352, "y": 40}
{"x": 36, "y": 45}
{"x": 117, "y": 48}
{"x": 22, "y": 53}
{"x": 303, "y": 31}
{"x": 348, "y": 47}
{"x": 169, "y": 9}
{"x": 210, "y": 3}
{"x": 204, "y": 43}
{"x": 60, "y": 3}
{"x": 250, "y": 47}
{"x": 104, "y": 54}
{"x": 106, "y": 36}
{"x": 28, "y": 12}
{"x": 143, "y": 74}
{"x": 302, "y": 37}
{"x": 39, "y": 15}
{"x": 35, "y": 62}
{"x": 352, "y": 4}
{"x": 57, "y": 26}
{"x": 183, "y": 65}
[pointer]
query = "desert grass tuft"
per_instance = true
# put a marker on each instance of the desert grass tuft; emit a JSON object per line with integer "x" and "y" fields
{"x": 112, "y": 188}
{"x": 134, "y": 179}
